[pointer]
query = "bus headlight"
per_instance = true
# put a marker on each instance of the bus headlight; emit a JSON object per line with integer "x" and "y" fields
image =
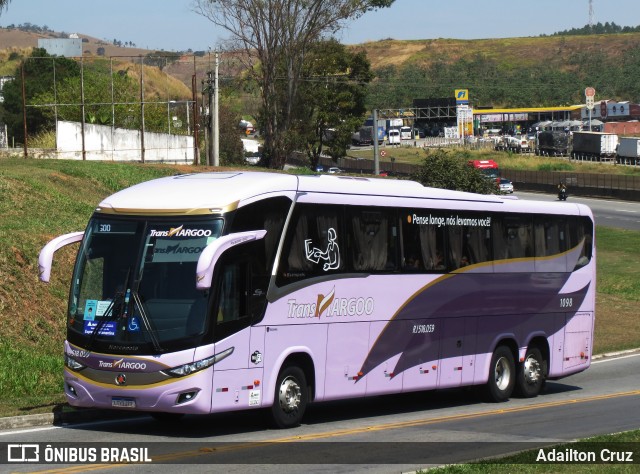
{"x": 190, "y": 368}
{"x": 72, "y": 363}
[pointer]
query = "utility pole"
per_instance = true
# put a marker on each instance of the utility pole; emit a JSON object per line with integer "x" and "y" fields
{"x": 210, "y": 124}
{"x": 196, "y": 122}
{"x": 24, "y": 111}
{"x": 141, "y": 109}
{"x": 376, "y": 155}
{"x": 216, "y": 127}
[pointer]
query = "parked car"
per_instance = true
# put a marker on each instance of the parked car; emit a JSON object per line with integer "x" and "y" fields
{"x": 506, "y": 186}
{"x": 334, "y": 170}
{"x": 318, "y": 169}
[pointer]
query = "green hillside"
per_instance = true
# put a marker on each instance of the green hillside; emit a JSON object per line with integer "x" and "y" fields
{"x": 40, "y": 200}
{"x": 509, "y": 72}
{"x": 538, "y": 51}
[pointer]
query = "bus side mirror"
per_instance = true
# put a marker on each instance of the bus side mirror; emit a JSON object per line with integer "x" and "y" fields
{"x": 45, "y": 259}
{"x": 212, "y": 253}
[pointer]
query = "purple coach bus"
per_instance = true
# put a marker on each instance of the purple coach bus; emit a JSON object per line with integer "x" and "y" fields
{"x": 213, "y": 292}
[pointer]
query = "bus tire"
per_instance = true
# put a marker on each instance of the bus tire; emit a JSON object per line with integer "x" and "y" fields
{"x": 291, "y": 397}
{"x": 531, "y": 374}
{"x": 502, "y": 375}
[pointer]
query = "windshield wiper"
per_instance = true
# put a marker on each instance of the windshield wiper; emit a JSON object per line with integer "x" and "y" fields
{"x": 122, "y": 299}
{"x": 109, "y": 315}
{"x": 147, "y": 322}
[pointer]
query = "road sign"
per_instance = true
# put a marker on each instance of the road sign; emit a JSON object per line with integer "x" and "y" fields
{"x": 590, "y": 94}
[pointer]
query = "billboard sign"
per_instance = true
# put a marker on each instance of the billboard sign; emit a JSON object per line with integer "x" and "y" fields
{"x": 462, "y": 96}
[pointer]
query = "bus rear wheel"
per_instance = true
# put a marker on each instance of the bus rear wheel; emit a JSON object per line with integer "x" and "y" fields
{"x": 531, "y": 374}
{"x": 502, "y": 375}
{"x": 291, "y": 397}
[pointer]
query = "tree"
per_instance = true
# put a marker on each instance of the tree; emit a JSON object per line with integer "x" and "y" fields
{"x": 231, "y": 149}
{"x": 332, "y": 105}
{"x": 4, "y": 4}
{"x": 275, "y": 36}
{"x": 447, "y": 170}
{"x": 39, "y": 79}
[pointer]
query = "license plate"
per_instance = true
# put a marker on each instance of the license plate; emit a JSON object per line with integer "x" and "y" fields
{"x": 121, "y": 402}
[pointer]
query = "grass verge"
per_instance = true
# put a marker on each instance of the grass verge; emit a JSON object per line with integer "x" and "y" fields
{"x": 527, "y": 462}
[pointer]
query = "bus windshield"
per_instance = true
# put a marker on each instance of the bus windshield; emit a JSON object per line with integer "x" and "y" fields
{"x": 134, "y": 284}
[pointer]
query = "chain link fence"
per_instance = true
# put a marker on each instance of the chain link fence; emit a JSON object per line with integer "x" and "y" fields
{"x": 130, "y": 108}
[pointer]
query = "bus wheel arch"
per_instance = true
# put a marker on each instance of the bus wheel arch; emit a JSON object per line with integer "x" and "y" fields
{"x": 502, "y": 372}
{"x": 533, "y": 370}
{"x": 294, "y": 389}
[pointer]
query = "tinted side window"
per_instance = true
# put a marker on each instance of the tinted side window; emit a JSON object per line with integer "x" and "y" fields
{"x": 423, "y": 242}
{"x": 580, "y": 234}
{"x": 550, "y": 243}
{"x": 469, "y": 240}
{"x": 314, "y": 245}
{"x": 232, "y": 309}
{"x": 513, "y": 239}
{"x": 270, "y": 215}
{"x": 373, "y": 242}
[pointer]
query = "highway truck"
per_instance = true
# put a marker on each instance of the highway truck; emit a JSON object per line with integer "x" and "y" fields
{"x": 628, "y": 151}
{"x": 552, "y": 143}
{"x": 594, "y": 146}
{"x": 364, "y": 136}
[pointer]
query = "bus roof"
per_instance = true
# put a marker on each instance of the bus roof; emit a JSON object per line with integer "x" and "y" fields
{"x": 217, "y": 192}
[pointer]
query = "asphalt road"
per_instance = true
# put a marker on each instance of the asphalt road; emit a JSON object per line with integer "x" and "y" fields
{"x": 609, "y": 213}
{"x": 384, "y": 434}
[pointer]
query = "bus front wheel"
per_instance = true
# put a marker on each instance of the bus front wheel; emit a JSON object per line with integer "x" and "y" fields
{"x": 502, "y": 375}
{"x": 531, "y": 374}
{"x": 291, "y": 397}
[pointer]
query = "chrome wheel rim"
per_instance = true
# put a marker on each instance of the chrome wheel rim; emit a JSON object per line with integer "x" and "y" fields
{"x": 289, "y": 394}
{"x": 502, "y": 373}
{"x": 532, "y": 371}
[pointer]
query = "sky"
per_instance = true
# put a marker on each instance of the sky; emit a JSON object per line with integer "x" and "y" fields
{"x": 172, "y": 25}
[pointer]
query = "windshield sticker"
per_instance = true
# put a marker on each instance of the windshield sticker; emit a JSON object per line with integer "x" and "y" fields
{"x": 107, "y": 329}
{"x": 95, "y": 309}
{"x": 90, "y": 310}
{"x": 134, "y": 324}
{"x": 166, "y": 250}
{"x": 331, "y": 255}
